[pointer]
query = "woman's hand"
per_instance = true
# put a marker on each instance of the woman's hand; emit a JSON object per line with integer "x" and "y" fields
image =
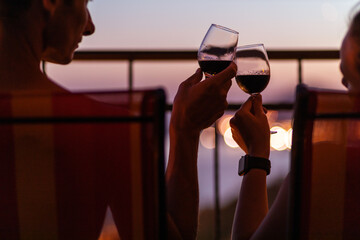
{"x": 250, "y": 128}
{"x": 198, "y": 104}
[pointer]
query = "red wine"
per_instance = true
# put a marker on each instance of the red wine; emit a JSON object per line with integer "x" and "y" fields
{"x": 252, "y": 83}
{"x": 213, "y": 67}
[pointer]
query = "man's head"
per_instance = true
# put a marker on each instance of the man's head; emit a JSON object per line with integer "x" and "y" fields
{"x": 68, "y": 21}
{"x": 60, "y": 24}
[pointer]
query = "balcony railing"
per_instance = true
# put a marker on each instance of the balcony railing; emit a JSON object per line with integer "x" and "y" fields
{"x": 132, "y": 56}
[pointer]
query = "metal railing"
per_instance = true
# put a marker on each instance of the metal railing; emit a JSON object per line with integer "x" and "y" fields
{"x": 132, "y": 56}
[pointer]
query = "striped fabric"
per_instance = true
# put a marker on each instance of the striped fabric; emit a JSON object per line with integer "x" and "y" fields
{"x": 65, "y": 158}
{"x": 325, "y": 201}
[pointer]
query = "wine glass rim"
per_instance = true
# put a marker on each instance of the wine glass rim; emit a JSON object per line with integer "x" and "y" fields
{"x": 251, "y": 46}
{"x": 224, "y": 28}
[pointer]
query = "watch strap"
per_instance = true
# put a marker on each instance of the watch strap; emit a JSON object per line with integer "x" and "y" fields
{"x": 247, "y": 162}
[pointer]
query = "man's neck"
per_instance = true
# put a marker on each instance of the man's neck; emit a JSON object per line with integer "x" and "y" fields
{"x": 20, "y": 56}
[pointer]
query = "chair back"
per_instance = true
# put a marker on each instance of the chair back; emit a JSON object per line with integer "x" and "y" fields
{"x": 325, "y": 165}
{"x": 66, "y": 157}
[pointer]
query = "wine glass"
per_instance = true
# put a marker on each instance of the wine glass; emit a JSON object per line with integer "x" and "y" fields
{"x": 253, "y": 72}
{"x": 217, "y": 49}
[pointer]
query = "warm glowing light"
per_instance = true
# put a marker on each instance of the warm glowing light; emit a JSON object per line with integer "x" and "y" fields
{"x": 229, "y": 140}
{"x": 278, "y": 140}
{"x": 223, "y": 123}
{"x": 272, "y": 116}
{"x": 207, "y": 138}
{"x": 289, "y": 138}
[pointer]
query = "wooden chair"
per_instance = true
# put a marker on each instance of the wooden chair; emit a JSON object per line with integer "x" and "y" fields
{"x": 325, "y": 167}
{"x": 65, "y": 158}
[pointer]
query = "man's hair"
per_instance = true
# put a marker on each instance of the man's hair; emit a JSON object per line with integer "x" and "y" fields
{"x": 12, "y": 8}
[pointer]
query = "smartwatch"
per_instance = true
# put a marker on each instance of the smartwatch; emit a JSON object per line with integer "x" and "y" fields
{"x": 248, "y": 162}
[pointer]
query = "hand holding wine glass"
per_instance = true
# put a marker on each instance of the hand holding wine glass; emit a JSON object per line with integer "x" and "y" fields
{"x": 253, "y": 73}
{"x": 217, "y": 49}
{"x": 250, "y": 128}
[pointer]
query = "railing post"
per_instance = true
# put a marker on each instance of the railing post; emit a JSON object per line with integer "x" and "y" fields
{"x": 130, "y": 79}
{"x": 299, "y": 70}
{"x": 217, "y": 213}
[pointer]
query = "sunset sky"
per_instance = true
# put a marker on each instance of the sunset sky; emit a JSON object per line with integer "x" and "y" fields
{"x": 171, "y": 24}
{"x": 176, "y": 25}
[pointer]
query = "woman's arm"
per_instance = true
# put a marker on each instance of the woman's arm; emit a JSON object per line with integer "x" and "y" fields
{"x": 275, "y": 224}
{"x": 251, "y": 131}
{"x": 252, "y": 205}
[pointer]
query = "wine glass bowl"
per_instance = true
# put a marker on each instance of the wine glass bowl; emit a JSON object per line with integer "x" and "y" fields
{"x": 217, "y": 49}
{"x": 253, "y": 74}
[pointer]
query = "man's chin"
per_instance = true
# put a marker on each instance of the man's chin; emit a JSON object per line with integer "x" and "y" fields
{"x": 56, "y": 58}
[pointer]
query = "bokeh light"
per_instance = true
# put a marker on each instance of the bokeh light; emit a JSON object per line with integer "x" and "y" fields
{"x": 223, "y": 123}
{"x": 289, "y": 138}
{"x": 279, "y": 139}
{"x": 229, "y": 140}
{"x": 207, "y": 138}
{"x": 272, "y": 116}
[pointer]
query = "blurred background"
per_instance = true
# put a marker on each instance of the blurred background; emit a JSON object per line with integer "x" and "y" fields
{"x": 169, "y": 25}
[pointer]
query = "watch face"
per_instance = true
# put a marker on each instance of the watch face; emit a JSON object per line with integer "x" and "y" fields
{"x": 241, "y": 166}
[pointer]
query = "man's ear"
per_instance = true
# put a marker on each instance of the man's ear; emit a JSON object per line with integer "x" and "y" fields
{"x": 49, "y": 5}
